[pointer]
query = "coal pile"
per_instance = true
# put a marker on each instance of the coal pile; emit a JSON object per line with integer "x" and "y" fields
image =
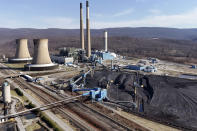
{"x": 168, "y": 98}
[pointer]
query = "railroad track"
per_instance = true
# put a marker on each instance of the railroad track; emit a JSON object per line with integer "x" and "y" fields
{"x": 47, "y": 98}
{"x": 107, "y": 117}
{"x": 78, "y": 124}
{"x": 92, "y": 125}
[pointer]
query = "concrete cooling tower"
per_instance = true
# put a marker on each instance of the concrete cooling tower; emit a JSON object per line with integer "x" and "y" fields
{"x": 41, "y": 59}
{"x": 22, "y": 53}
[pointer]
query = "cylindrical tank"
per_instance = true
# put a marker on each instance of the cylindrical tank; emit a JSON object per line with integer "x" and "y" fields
{"x": 41, "y": 53}
{"x": 22, "y": 49}
{"x": 6, "y": 93}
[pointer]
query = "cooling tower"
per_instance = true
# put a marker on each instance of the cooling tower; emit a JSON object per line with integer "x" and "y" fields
{"x": 22, "y": 53}
{"x": 41, "y": 59}
{"x": 6, "y": 93}
{"x": 105, "y": 40}
{"x": 88, "y": 41}
{"x": 81, "y": 27}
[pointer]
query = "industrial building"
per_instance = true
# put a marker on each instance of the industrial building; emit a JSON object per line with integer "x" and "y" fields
{"x": 103, "y": 55}
{"x": 140, "y": 67}
{"x": 135, "y": 67}
{"x": 41, "y": 59}
{"x": 150, "y": 69}
{"x": 22, "y": 53}
{"x": 62, "y": 59}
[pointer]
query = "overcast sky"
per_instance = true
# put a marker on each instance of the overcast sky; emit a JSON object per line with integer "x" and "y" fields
{"x": 103, "y": 13}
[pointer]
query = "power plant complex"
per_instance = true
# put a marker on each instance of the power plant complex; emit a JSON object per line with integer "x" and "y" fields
{"x": 89, "y": 88}
{"x": 41, "y": 58}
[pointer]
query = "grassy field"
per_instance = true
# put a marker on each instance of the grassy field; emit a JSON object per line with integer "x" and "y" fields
{"x": 21, "y": 98}
{"x": 15, "y": 66}
{"x": 33, "y": 127}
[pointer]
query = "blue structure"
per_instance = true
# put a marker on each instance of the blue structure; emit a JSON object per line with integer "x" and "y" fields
{"x": 97, "y": 94}
{"x": 135, "y": 67}
{"x": 93, "y": 57}
{"x": 193, "y": 66}
{"x": 141, "y": 108}
{"x": 107, "y": 56}
{"x": 103, "y": 55}
{"x": 28, "y": 78}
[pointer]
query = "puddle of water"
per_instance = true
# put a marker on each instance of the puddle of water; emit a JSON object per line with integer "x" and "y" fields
{"x": 188, "y": 76}
{"x": 30, "y": 116}
{"x": 41, "y": 129}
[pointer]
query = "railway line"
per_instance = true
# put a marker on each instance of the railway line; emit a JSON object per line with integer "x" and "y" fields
{"x": 89, "y": 123}
{"x": 48, "y": 98}
{"x": 76, "y": 108}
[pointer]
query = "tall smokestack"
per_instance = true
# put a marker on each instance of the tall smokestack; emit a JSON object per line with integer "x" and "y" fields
{"x": 22, "y": 53}
{"x": 105, "y": 40}
{"x": 41, "y": 59}
{"x": 88, "y": 29}
{"x": 81, "y": 27}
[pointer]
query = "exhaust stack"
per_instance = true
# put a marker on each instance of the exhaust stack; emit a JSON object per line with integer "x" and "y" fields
{"x": 81, "y": 27}
{"x": 105, "y": 40}
{"x": 88, "y": 29}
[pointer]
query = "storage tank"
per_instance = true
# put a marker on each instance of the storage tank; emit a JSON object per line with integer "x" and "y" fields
{"x": 6, "y": 93}
{"x": 41, "y": 59}
{"x": 22, "y": 52}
